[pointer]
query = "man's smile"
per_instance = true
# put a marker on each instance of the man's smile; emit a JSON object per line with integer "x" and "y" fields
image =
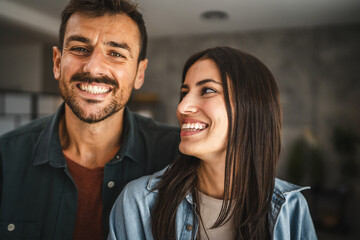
{"x": 94, "y": 88}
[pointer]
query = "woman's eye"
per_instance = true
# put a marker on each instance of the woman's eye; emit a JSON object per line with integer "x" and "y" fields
{"x": 206, "y": 90}
{"x": 182, "y": 95}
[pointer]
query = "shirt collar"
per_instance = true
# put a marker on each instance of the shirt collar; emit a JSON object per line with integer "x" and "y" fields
{"x": 282, "y": 188}
{"x": 154, "y": 180}
{"x": 132, "y": 140}
{"x": 156, "y": 177}
{"x": 49, "y": 150}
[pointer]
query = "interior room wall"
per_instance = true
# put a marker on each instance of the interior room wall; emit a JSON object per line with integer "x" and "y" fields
{"x": 21, "y": 67}
{"x": 316, "y": 70}
{"x": 318, "y": 74}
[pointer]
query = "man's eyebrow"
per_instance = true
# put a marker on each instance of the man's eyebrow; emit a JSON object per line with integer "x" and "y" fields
{"x": 77, "y": 38}
{"x": 120, "y": 45}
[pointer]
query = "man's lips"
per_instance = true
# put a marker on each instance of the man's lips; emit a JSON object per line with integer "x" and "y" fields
{"x": 84, "y": 80}
{"x": 94, "y": 88}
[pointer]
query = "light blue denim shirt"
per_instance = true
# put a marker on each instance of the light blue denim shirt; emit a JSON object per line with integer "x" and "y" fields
{"x": 130, "y": 216}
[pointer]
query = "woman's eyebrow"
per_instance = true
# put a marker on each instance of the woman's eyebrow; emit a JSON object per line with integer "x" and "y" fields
{"x": 184, "y": 86}
{"x": 202, "y": 82}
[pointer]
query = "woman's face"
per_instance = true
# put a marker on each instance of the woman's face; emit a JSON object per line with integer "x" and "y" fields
{"x": 202, "y": 113}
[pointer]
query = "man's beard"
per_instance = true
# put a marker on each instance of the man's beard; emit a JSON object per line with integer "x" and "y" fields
{"x": 101, "y": 114}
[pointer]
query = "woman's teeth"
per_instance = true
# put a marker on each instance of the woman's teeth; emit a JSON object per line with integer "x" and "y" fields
{"x": 193, "y": 126}
{"x": 94, "y": 89}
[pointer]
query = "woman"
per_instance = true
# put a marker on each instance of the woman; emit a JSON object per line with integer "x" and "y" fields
{"x": 223, "y": 185}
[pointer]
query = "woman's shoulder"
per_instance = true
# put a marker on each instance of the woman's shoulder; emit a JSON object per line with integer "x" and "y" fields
{"x": 143, "y": 185}
{"x": 287, "y": 197}
{"x": 284, "y": 190}
{"x": 132, "y": 210}
{"x": 290, "y": 215}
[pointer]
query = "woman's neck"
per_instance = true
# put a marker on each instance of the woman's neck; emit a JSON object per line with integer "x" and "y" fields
{"x": 211, "y": 179}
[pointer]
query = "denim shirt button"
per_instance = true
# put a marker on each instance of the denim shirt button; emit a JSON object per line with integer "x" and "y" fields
{"x": 189, "y": 227}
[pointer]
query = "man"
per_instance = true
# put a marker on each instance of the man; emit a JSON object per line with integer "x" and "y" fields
{"x": 60, "y": 175}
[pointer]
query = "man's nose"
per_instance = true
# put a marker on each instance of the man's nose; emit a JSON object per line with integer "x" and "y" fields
{"x": 96, "y": 64}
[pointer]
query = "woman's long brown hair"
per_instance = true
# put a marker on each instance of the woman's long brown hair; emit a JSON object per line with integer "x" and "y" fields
{"x": 253, "y": 148}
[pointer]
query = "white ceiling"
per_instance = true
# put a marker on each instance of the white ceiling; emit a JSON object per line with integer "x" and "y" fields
{"x": 179, "y": 17}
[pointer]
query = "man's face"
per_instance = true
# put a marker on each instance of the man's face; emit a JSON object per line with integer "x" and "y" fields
{"x": 98, "y": 67}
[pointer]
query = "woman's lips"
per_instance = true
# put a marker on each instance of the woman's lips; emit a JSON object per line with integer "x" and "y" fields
{"x": 191, "y": 128}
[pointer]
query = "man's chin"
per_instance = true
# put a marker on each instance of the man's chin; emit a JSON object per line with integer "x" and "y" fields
{"x": 92, "y": 111}
{"x": 91, "y": 120}
{"x": 90, "y": 117}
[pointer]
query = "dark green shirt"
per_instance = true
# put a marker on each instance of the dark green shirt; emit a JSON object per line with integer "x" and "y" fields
{"x": 38, "y": 198}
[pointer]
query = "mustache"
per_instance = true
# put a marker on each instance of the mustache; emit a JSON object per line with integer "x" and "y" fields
{"x": 87, "y": 78}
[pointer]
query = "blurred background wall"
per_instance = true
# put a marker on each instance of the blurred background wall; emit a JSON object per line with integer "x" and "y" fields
{"x": 311, "y": 47}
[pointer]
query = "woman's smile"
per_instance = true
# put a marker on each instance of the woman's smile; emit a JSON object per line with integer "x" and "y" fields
{"x": 191, "y": 126}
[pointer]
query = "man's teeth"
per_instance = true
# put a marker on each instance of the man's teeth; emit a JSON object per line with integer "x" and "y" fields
{"x": 94, "y": 89}
{"x": 193, "y": 126}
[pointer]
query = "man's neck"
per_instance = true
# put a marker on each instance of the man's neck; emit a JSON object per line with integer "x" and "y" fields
{"x": 91, "y": 145}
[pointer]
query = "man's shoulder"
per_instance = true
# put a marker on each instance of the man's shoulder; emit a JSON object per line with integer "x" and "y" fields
{"x": 149, "y": 124}
{"x": 153, "y": 132}
{"x": 33, "y": 127}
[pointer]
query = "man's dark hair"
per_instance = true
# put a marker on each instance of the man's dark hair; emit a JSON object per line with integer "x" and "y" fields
{"x": 98, "y": 8}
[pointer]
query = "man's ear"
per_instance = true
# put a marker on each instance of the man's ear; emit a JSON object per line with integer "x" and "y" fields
{"x": 140, "y": 76}
{"x": 57, "y": 62}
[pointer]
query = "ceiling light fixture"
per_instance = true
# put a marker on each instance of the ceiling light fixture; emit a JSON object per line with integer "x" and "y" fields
{"x": 214, "y": 15}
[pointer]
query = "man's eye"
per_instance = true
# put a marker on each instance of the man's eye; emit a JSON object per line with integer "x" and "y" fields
{"x": 79, "y": 49}
{"x": 206, "y": 90}
{"x": 116, "y": 54}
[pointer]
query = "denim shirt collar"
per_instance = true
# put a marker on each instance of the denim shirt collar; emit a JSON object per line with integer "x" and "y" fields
{"x": 281, "y": 189}
{"x": 49, "y": 150}
{"x": 155, "y": 178}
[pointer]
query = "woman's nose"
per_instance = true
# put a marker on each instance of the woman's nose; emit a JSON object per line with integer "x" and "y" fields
{"x": 188, "y": 104}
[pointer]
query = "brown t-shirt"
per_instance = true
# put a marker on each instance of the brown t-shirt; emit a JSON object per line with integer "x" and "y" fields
{"x": 88, "y": 223}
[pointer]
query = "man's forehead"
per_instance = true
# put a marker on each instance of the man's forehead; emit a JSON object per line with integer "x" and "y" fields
{"x": 117, "y": 27}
